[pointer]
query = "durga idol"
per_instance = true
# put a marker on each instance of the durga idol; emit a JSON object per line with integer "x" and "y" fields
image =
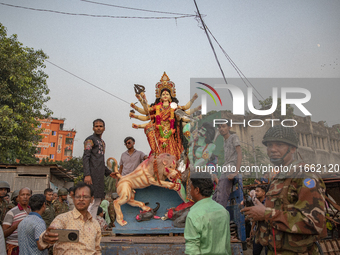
{"x": 164, "y": 129}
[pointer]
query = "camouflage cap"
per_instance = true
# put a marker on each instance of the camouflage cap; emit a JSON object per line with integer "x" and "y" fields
{"x": 62, "y": 192}
{"x": 5, "y": 185}
{"x": 281, "y": 134}
{"x": 15, "y": 194}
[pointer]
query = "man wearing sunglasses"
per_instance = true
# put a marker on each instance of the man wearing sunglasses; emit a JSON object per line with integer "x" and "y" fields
{"x": 131, "y": 158}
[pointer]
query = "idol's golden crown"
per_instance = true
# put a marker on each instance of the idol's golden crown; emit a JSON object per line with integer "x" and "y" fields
{"x": 165, "y": 83}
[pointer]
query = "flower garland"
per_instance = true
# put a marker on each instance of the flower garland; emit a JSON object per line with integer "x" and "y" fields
{"x": 166, "y": 136}
{"x": 160, "y": 127}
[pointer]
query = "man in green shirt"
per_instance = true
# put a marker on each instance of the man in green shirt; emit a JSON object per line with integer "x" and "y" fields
{"x": 207, "y": 229}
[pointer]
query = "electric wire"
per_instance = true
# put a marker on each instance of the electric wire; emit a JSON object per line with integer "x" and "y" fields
{"x": 138, "y": 9}
{"x": 227, "y": 56}
{"x": 88, "y": 82}
{"x": 211, "y": 45}
{"x": 237, "y": 69}
{"x": 95, "y": 15}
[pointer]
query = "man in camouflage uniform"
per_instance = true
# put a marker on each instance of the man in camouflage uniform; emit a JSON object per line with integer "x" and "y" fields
{"x": 60, "y": 205}
{"x": 14, "y": 200}
{"x": 4, "y": 189}
{"x": 293, "y": 217}
{"x": 49, "y": 214}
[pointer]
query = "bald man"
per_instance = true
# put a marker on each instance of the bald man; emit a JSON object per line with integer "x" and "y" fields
{"x": 13, "y": 218}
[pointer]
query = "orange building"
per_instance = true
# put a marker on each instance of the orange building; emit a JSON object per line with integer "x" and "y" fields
{"x": 56, "y": 143}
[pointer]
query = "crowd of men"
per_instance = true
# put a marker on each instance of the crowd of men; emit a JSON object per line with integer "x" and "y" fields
{"x": 288, "y": 216}
{"x": 28, "y": 221}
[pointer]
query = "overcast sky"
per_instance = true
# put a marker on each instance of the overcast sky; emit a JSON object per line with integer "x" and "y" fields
{"x": 266, "y": 39}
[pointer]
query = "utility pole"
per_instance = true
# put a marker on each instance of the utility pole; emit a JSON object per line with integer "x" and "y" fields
{"x": 254, "y": 154}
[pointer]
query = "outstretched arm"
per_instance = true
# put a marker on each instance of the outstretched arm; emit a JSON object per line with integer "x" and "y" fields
{"x": 138, "y": 126}
{"x": 139, "y": 117}
{"x": 188, "y": 105}
{"x": 142, "y": 99}
{"x": 140, "y": 110}
{"x": 192, "y": 111}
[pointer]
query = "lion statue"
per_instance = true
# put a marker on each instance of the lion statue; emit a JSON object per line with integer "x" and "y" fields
{"x": 152, "y": 171}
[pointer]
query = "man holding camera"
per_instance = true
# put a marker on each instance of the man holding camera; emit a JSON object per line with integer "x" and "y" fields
{"x": 78, "y": 219}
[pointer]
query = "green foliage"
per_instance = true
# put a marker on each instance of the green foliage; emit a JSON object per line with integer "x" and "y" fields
{"x": 210, "y": 113}
{"x": 75, "y": 165}
{"x": 47, "y": 161}
{"x": 248, "y": 159}
{"x": 267, "y": 104}
{"x": 29, "y": 159}
{"x": 248, "y": 181}
{"x": 23, "y": 93}
{"x": 248, "y": 156}
{"x": 80, "y": 178}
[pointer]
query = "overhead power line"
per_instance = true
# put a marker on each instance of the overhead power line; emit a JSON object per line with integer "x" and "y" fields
{"x": 211, "y": 45}
{"x": 237, "y": 69}
{"x": 138, "y": 9}
{"x": 88, "y": 82}
{"x": 95, "y": 15}
{"x": 206, "y": 30}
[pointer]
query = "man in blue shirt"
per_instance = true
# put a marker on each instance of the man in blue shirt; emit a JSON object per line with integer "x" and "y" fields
{"x": 207, "y": 229}
{"x": 32, "y": 226}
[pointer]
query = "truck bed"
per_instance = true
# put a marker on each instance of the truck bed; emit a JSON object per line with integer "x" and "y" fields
{"x": 129, "y": 244}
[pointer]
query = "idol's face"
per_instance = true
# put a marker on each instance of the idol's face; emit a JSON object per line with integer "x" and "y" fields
{"x": 165, "y": 96}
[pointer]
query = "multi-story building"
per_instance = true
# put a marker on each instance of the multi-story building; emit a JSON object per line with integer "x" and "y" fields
{"x": 56, "y": 143}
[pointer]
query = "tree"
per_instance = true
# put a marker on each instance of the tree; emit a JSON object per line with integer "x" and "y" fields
{"x": 74, "y": 164}
{"x": 267, "y": 104}
{"x": 249, "y": 160}
{"x": 248, "y": 156}
{"x": 23, "y": 94}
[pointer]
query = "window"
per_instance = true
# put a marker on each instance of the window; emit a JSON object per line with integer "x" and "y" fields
{"x": 52, "y": 144}
{"x": 39, "y": 126}
{"x": 69, "y": 141}
{"x": 38, "y": 150}
{"x": 54, "y": 133}
{"x": 68, "y": 152}
{"x": 51, "y": 156}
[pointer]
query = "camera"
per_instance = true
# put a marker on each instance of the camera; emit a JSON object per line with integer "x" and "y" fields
{"x": 67, "y": 235}
{"x": 248, "y": 201}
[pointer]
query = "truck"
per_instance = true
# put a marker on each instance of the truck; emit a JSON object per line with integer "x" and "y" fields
{"x": 161, "y": 237}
